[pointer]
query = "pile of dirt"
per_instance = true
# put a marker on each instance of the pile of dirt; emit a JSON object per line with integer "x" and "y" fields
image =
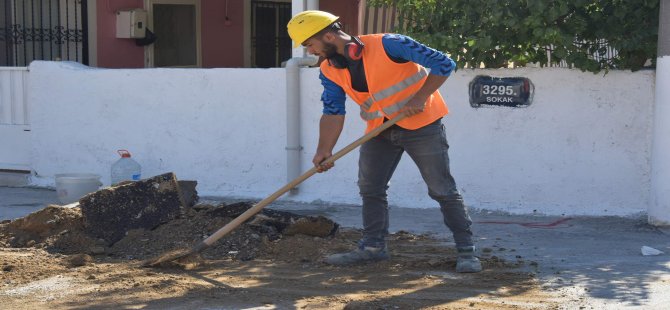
{"x": 48, "y": 259}
{"x": 54, "y": 228}
{"x": 62, "y": 230}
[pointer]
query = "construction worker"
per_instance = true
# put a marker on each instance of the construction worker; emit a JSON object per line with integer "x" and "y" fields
{"x": 386, "y": 75}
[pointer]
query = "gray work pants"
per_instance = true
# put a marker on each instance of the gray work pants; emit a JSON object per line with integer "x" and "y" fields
{"x": 379, "y": 157}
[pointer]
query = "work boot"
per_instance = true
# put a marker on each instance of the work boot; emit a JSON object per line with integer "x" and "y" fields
{"x": 467, "y": 262}
{"x": 362, "y": 254}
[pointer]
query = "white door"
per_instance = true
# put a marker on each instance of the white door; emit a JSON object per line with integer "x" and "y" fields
{"x": 176, "y": 24}
{"x": 14, "y": 122}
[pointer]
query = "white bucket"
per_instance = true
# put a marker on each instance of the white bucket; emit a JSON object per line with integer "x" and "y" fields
{"x": 72, "y": 186}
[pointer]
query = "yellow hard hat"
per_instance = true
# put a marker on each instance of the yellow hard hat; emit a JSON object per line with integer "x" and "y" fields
{"x": 308, "y": 23}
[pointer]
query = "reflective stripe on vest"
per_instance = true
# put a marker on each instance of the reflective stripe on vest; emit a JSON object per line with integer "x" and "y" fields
{"x": 370, "y": 115}
{"x": 367, "y": 104}
{"x": 385, "y": 93}
{"x": 396, "y": 107}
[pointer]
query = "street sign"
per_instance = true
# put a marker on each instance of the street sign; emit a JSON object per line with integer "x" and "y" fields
{"x": 497, "y": 91}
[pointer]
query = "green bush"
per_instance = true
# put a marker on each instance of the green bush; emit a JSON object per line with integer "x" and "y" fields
{"x": 494, "y": 33}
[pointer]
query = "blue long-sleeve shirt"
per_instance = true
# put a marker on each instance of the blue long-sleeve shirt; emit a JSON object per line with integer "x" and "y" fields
{"x": 400, "y": 49}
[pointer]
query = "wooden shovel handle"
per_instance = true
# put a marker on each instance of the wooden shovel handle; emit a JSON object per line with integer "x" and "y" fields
{"x": 260, "y": 205}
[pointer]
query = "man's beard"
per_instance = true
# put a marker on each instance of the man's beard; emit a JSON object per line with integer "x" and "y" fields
{"x": 330, "y": 50}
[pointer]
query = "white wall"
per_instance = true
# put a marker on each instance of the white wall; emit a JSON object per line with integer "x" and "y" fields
{"x": 582, "y": 147}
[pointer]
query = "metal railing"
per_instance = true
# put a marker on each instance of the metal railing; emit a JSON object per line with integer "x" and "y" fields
{"x": 601, "y": 52}
{"x": 43, "y": 30}
{"x": 378, "y": 19}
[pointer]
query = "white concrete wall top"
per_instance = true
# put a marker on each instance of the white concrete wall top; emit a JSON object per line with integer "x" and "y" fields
{"x": 582, "y": 147}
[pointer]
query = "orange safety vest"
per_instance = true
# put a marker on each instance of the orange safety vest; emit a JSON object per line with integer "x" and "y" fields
{"x": 390, "y": 86}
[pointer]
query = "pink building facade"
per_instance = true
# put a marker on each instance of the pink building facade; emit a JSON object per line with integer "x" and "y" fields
{"x": 229, "y": 32}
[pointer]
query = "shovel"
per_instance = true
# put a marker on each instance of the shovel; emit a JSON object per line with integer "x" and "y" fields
{"x": 180, "y": 254}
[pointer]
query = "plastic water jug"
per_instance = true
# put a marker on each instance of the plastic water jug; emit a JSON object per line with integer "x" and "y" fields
{"x": 125, "y": 169}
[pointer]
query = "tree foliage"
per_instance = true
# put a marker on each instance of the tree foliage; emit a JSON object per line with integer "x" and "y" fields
{"x": 494, "y": 33}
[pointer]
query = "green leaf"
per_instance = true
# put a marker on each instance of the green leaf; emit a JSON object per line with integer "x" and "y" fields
{"x": 494, "y": 32}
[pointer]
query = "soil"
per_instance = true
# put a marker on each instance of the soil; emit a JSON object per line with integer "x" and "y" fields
{"x": 48, "y": 261}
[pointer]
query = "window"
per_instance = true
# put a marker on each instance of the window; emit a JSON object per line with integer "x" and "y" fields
{"x": 270, "y": 42}
{"x": 176, "y": 24}
{"x": 42, "y": 30}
